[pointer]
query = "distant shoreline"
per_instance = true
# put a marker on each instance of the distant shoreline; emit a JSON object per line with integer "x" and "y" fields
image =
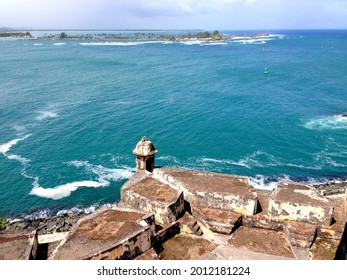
{"x": 137, "y": 36}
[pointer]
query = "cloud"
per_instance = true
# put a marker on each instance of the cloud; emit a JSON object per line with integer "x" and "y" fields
{"x": 172, "y": 14}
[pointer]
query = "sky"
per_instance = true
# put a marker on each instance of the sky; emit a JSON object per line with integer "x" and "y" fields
{"x": 174, "y": 14}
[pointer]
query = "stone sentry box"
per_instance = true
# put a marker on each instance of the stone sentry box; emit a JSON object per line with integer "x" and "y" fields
{"x": 145, "y": 153}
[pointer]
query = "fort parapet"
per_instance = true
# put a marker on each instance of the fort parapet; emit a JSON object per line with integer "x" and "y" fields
{"x": 165, "y": 210}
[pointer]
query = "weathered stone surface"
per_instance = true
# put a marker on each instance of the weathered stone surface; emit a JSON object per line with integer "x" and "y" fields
{"x": 212, "y": 190}
{"x": 18, "y": 245}
{"x": 341, "y": 251}
{"x": 189, "y": 225}
{"x": 186, "y": 248}
{"x": 334, "y": 231}
{"x": 262, "y": 221}
{"x": 147, "y": 194}
{"x": 324, "y": 249}
{"x": 148, "y": 256}
{"x": 221, "y": 221}
{"x": 262, "y": 241}
{"x": 261, "y": 218}
{"x": 144, "y": 152}
{"x": 110, "y": 234}
{"x": 226, "y": 252}
{"x": 300, "y": 234}
{"x": 298, "y": 202}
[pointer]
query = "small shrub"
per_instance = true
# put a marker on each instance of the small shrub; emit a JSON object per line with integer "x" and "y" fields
{"x": 3, "y": 223}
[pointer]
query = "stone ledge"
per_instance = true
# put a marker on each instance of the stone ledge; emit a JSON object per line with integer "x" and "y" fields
{"x": 212, "y": 190}
{"x": 18, "y": 245}
{"x": 110, "y": 234}
{"x": 331, "y": 232}
{"x": 262, "y": 221}
{"x": 220, "y": 221}
{"x": 145, "y": 193}
{"x": 300, "y": 234}
{"x": 302, "y": 203}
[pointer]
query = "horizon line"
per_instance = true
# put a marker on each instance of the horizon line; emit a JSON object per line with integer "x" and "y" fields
{"x": 169, "y": 29}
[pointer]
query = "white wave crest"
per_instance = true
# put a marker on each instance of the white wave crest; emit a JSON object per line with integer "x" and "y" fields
{"x": 21, "y": 159}
{"x": 124, "y": 44}
{"x": 4, "y": 148}
{"x": 330, "y": 122}
{"x": 215, "y": 43}
{"x": 253, "y": 41}
{"x": 256, "y": 159}
{"x": 104, "y": 173}
{"x": 266, "y": 183}
{"x": 192, "y": 42}
{"x": 225, "y": 161}
{"x": 43, "y": 115}
{"x": 65, "y": 190}
{"x": 59, "y": 44}
{"x": 170, "y": 159}
{"x": 105, "y": 176}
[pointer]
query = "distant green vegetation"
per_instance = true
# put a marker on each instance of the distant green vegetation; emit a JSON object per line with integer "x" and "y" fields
{"x": 129, "y": 35}
{"x": 215, "y": 35}
{"x": 3, "y": 223}
{"x": 15, "y": 34}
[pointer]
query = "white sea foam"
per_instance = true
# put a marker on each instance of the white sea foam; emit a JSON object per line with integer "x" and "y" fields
{"x": 192, "y": 42}
{"x": 253, "y": 41}
{"x": 21, "y": 159}
{"x": 105, "y": 176}
{"x": 328, "y": 122}
{"x": 215, "y": 43}
{"x": 38, "y": 44}
{"x": 104, "y": 173}
{"x": 122, "y": 43}
{"x": 59, "y": 44}
{"x": 264, "y": 182}
{"x": 224, "y": 161}
{"x": 170, "y": 159}
{"x": 20, "y": 129}
{"x": 4, "y": 148}
{"x": 65, "y": 190}
{"x": 43, "y": 115}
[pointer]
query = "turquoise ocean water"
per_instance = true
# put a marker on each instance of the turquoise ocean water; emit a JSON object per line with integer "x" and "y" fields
{"x": 72, "y": 111}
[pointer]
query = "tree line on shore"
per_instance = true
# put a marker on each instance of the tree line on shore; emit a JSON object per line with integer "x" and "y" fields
{"x": 15, "y": 34}
{"x": 215, "y": 35}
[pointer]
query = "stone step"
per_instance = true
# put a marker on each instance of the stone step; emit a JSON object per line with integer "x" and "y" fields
{"x": 190, "y": 225}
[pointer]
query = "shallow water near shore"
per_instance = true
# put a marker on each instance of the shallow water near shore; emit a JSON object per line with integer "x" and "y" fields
{"x": 72, "y": 111}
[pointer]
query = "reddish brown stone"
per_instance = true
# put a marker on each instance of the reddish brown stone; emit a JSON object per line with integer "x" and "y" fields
{"x": 300, "y": 234}
{"x": 262, "y": 221}
{"x": 334, "y": 231}
{"x": 221, "y": 221}
{"x": 18, "y": 245}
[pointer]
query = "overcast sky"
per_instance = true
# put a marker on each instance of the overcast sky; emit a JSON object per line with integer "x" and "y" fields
{"x": 174, "y": 14}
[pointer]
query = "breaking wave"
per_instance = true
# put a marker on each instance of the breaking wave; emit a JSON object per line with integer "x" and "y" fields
{"x": 128, "y": 43}
{"x": 4, "y": 148}
{"x": 268, "y": 182}
{"x": 329, "y": 122}
{"x": 44, "y": 115}
{"x": 105, "y": 176}
{"x": 65, "y": 190}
